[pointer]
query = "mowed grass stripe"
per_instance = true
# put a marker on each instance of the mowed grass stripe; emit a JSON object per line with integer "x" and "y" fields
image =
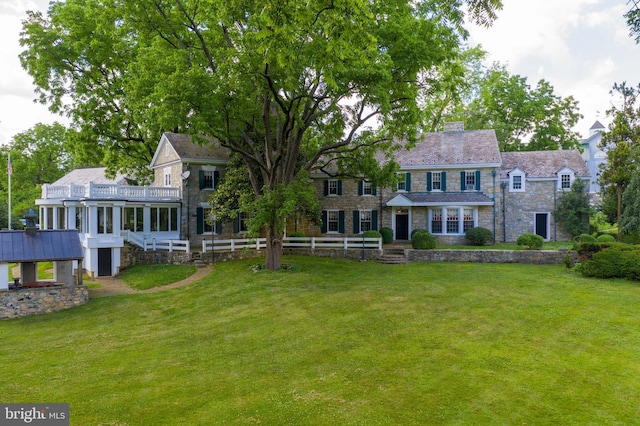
{"x": 334, "y": 341}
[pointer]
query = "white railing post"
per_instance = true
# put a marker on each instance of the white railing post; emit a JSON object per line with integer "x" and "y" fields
{"x": 346, "y": 243}
{"x": 233, "y": 245}
{"x": 313, "y": 243}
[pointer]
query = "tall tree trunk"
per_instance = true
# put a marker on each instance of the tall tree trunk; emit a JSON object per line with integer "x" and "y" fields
{"x": 273, "y": 259}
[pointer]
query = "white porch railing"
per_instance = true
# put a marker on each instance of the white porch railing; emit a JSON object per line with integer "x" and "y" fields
{"x": 156, "y": 243}
{"x": 109, "y": 191}
{"x": 312, "y": 242}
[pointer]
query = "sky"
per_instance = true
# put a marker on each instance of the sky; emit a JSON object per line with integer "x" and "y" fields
{"x": 581, "y": 47}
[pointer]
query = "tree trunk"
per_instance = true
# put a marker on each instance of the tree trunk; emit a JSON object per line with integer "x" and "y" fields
{"x": 273, "y": 255}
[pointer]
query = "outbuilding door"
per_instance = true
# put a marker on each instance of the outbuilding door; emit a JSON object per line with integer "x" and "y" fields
{"x": 104, "y": 262}
{"x": 542, "y": 225}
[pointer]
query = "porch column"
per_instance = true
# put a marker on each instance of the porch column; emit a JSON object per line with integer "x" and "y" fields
{"x": 4, "y": 276}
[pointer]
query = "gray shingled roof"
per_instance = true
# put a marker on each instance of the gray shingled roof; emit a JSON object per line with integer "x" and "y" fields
{"x": 452, "y": 149}
{"x": 189, "y": 149}
{"x": 18, "y": 246}
{"x": 446, "y": 198}
{"x": 95, "y": 175}
{"x": 543, "y": 164}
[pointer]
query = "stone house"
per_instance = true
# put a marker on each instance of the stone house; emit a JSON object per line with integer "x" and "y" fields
{"x": 449, "y": 182}
{"x": 453, "y": 181}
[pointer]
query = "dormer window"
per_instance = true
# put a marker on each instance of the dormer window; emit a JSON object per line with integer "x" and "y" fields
{"x": 516, "y": 181}
{"x": 565, "y": 179}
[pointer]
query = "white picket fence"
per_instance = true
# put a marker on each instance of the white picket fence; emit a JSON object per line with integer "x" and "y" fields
{"x": 154, "y": 244}
{"x": 312, "y": 242}
{"x": 255, "y": 243}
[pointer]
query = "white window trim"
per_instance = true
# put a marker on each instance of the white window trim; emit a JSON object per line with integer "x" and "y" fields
{"x": 167, "y": 176}
{"x": 405, "y": 182}
{"x": 367, "y": 185}
{"x": 443, "y": 210}
{"x": 514, "y": 173}
{"x": 329, "y": 194}
{"x": 439, "y": 173}
{"x": 337, "y": 211}
{"x": 564, "y": 172}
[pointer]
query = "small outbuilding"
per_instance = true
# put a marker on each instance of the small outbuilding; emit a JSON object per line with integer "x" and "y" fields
{"x": 28, "y": 247}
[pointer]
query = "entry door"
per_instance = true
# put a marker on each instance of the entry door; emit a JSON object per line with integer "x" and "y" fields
{"x": 104, "y": 262}
{"x": 542, "y": 225}
{"x": 402, "y": 227}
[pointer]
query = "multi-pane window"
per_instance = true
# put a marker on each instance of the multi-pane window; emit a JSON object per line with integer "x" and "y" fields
{"x": 49, "y": 218}
{"x": 367, "y": 188}
{"x": 333, "y": 220}
{"x": 436, "y": 221}
{"x": 436, "y": 181}
{"x": 164, "y": 219}
{"x": 208, "y": 221}
{"x": 243, "y": 222}
{"x": 402, "y": 182}
{"x": 469, "y": 180}
{"x": 60, "y": 222}
{"x": 80, "y": 219}
{"x": 332, "y": 187}
{"x": 365, "y": 220}
{"x": 207, "y": 179}
{"x": 565, "y": 181}
{"x": 133, "y": 219}
{"x": 105, "y": 220}
{"x": 452, "y": 221}
{"x": 167, "y": 176}
{"x": 516, "y": 182}
{"x": 468, "y": 219}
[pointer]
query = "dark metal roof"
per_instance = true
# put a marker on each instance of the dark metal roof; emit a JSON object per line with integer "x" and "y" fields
{"x": 18, "y": 246}
{"x": 445, "y": 198}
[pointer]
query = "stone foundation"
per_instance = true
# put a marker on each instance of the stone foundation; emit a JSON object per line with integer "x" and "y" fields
{"x": 43, "y": 300}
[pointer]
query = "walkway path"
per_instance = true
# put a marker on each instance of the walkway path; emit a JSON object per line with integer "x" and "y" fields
{"x": 112, "y": 286}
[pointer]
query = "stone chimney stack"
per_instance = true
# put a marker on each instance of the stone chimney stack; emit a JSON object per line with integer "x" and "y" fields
{"x": 454, "y": 126}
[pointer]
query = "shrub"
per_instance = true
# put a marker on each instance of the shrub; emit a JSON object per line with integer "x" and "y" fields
{"x": 297, "y": 234}
{"x": 416, "y": 230}
{"x": 387, "y": 235}
{"x": 372, "y": 233}
{"x": 479, "y": 236}
{"x": 606, "y": 238}
{"x": 422, "y": 240}
{"x": 614, "y": 261}
{"x": 585, "y": 238}
{"x": 531, "y": 241}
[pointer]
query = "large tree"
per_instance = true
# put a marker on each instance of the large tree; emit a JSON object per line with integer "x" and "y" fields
{"x": 289, "y": 86}
{"x": 525, "y": 118}
{"x": 39, "y": 155}
{"x": 621, "y": 142}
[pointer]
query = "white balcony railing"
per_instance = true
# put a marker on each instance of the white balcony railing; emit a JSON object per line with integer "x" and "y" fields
{"x": 110, "y": 191}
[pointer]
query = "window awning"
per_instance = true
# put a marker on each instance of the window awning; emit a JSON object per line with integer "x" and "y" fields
{"x": 425, "y": 199}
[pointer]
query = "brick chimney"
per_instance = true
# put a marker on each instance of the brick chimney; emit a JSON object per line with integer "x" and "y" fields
{"x": 454, "y": 126}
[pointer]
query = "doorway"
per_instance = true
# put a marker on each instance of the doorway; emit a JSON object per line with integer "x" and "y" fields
{"x": 104, "y": 262}
{"x": 402, "y": 226}
{"x": 542, "y": 225}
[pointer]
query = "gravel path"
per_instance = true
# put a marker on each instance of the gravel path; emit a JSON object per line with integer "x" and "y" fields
{"x": 112, "y": 286}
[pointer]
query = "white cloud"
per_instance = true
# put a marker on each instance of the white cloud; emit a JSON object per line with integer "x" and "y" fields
{"x": 582, "y": 47}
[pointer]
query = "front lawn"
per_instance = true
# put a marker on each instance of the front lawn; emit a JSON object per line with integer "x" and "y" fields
{"x": 335, "y": 342}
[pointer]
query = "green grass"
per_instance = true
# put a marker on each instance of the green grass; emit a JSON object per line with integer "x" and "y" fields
{"x": 143, "y": 277}
{"x": 338, "y": 342}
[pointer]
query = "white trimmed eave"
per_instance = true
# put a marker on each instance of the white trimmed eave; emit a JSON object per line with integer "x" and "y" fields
{"x": 438, "y": 167}
{"x": 402, "y": 201}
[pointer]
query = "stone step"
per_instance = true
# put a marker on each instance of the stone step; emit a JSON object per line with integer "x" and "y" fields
{"x": 392, "y": 260}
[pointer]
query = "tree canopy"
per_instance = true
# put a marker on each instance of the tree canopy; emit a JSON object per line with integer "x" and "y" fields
{"x": 38, "y": 155}
{"x": 289, "y": 86}
{"x": 524, "y": 118}
{"x": 621, "y": 142}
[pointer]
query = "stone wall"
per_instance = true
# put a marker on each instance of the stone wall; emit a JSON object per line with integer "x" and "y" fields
{"x": 32, "y": 301}
{"x": 535, "y": 257}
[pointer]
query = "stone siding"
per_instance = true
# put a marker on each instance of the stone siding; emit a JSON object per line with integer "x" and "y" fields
{"x": 535, "y": 257}
{"x": 33, "y": 301}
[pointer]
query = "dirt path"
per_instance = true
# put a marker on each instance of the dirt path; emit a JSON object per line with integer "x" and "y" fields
{"x": 112, "y": 286}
